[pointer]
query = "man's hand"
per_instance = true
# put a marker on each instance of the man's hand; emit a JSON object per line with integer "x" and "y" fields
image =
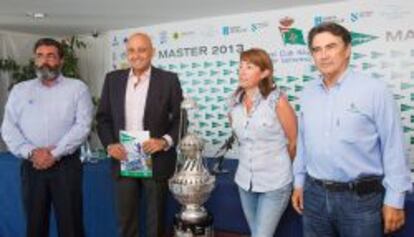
{"x": 154, "y": 145}
{"x": 117, "y": 151}
{"x": 393, "y": 218}
{"x": 297, "y": 200}
{"x": 42, "y": 158}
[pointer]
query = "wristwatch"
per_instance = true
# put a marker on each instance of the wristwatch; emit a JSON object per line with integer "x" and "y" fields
{"x": 166, "y": 142}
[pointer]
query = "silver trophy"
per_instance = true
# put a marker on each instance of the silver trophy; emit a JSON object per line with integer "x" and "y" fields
{"x": 192, "y": 183}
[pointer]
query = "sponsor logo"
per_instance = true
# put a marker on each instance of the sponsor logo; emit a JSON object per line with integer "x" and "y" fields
{"x": 395, "y": 12}
{"x": 317, "y": 20}
{"x": 228, "y": 30}
{"x": 286, "y": 56}
{"x": 399, "y": 35}
{"x": 115, "y": 41}
{"x": 289, "y": 34}
{"x": 360, "y": 38}
{"x": 255, "y": 27}
{"x": 163, "y": 37}
{"x": 356, "y": 16}
{"x": 180, "y": 35}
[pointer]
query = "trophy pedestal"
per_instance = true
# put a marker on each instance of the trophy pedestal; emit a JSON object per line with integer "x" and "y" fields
{"x": 201, "y": 228}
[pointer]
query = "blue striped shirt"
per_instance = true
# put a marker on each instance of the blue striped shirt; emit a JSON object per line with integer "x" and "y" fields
{"x": 352, "y": 130}
{"x": 59, "y": 116}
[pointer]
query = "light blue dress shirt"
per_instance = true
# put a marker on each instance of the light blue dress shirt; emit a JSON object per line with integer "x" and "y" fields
{"x": 352, "y": 130}
{"x": 264, "y": 162}
{"x": 59, "y": 116}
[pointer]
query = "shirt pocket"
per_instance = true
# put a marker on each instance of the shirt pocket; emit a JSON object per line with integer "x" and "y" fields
{"x": 352, "y": 126}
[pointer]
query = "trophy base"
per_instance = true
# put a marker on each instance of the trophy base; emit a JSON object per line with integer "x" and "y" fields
{"x": 201, "y": 228}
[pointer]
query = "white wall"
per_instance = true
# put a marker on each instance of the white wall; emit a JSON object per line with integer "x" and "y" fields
{"x": 19, "y": 47}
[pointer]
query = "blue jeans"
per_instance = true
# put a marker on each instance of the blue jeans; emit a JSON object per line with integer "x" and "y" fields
{"x": 344, "y": 214}
{"x": 264, "y": 210}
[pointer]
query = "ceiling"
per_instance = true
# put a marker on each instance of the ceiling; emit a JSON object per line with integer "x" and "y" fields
{"x": 70, "y": 17}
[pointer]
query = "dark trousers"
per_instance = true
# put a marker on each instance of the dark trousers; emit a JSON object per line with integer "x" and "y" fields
{"x": 60, "y": 186}
{"x": 341, "y": 214}
{"x": 128, "y": 192}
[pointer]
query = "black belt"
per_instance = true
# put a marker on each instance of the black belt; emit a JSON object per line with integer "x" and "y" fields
{"x": 361, "y": 186}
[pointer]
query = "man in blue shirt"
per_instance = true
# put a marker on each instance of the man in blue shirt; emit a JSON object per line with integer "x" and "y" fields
{"x": 351, "y": 173}
{"x": 46, "y": 120}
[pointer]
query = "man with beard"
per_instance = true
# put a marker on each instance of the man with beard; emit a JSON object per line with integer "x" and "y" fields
{"x": 46, "y": 120}
{"x": 141, "y": 98}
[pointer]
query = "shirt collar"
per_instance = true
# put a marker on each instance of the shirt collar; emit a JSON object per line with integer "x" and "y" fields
{"x": 58, "y": 80}
{"x": 144, "y": 76}
{"x": 340, "y": 80}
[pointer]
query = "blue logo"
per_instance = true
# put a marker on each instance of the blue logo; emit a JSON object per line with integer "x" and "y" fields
{"x": 115, "y": 41}
{"x": 163, "y": 37}
{"x": 226, "y": 30}
{"x": 317, "y": 20}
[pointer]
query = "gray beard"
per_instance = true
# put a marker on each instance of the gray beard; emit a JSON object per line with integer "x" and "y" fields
{"x": 46, "y": 73}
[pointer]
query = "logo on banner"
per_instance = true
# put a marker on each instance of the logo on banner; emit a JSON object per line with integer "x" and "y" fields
{"x": 289, "y": 34}
{"x": 180, "y": 35}
{"x": 356, "y": 16}
{"x": 399, "y": 35}
{"x": 228, "y": 30}
{"x": 360, "y": 38}
{"x": 163, "y": 37}
{"x": 395, "y": 12}
{"x": 115, "y": 41}
{"x": 255, "y": 27}
{"x": 317, "y": 20}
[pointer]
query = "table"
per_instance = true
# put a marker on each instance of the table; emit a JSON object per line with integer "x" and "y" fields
{"x": 99, "y": 206}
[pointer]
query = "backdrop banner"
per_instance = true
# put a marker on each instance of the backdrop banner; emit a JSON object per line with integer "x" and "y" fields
{"x": 205, "y": 54}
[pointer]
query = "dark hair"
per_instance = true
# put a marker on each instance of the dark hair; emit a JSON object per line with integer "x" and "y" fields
{"x": 332, "y": 28}
{"x": 49, "y": 42}
{"x": 260, "y": 58}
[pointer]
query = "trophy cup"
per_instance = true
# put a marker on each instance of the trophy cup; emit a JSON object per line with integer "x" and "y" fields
{"x": 192, "y": 183}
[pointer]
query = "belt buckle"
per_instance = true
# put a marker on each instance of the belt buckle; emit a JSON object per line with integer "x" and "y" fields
{"x": 353, "y": 186}
{"x": 330, "y": 185}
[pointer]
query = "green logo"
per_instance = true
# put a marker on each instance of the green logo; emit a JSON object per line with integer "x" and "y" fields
{"x": 219, "y": 63}
{"x": 214, "y": 107}
{"x": 233, "y": 63}
{"x": 208, "y": 82}
{"x": 405, "y": 107}
{"x": 366, "y": 66}
{"x": 357, "y": 56}
{"x": 220, "y": 81}
{"x": 291, "y": 79}
{"x": 195, "y": 65}
{"x": 298, "y": 88}
{"x": 377, "y": 75}
{"x": 360, "y": 38}
{"x": 375, "y": 55}
{"x": 292, "y": 98}
{"x": 202, "y": 107}
{"x": 405, "y": 86}
{"x": 289, "y": 34}
{"x": 407, "y": 129}
{"x": 307, "y": 78}
{"x": 214, "y": 90}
